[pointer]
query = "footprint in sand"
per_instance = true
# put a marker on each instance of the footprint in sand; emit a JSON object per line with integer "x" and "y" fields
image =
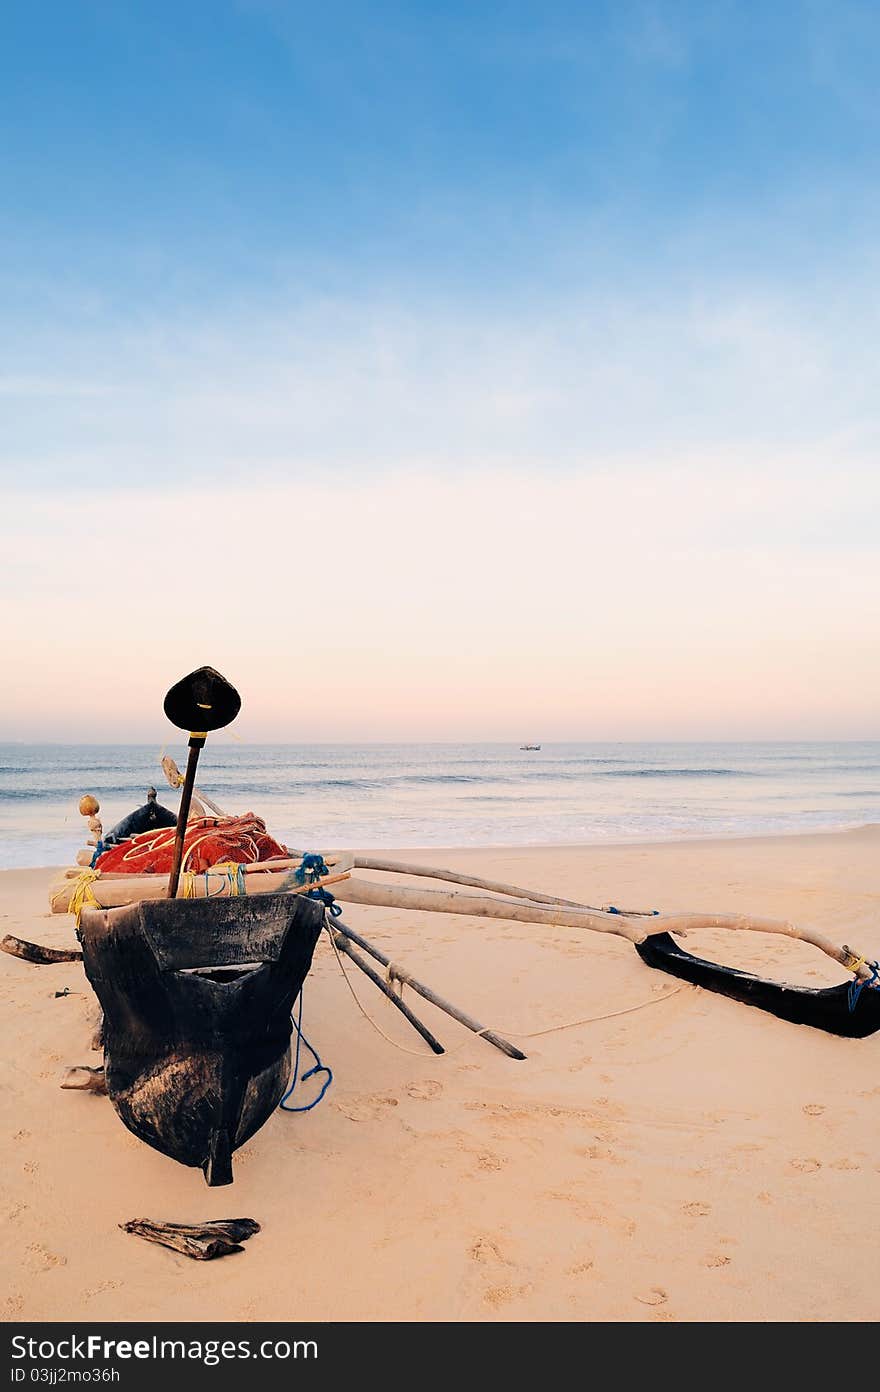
{"x": 598, "y": 1152}
{"x": 807, "y": 1166}
{"x": 696, "y": 1209}
{"x": 719, "y": 1259}
{"x": 845, "y": 1164}
{"x": 580, "y": 1268}
{"x": 426, "y": 1089}
{"x": 502, "y": 1295}
{"x": 364, "y": 1108}
{"x": 488, "y": 1161}
{"x": 101, "y": 1288}
{"x": 487, "y": 1251}
{"x": 814, "y": 1109}
{"x": 655, "y": 1296}
{"x": 41, "y": 1259}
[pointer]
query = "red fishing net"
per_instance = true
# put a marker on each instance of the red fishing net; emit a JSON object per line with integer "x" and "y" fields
{"x": 208, "y": 841}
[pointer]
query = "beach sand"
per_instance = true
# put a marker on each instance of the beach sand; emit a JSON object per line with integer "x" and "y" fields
{"x": 693, "y": 1159}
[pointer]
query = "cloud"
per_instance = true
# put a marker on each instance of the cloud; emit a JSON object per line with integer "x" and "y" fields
{"x": 356, "y": 385}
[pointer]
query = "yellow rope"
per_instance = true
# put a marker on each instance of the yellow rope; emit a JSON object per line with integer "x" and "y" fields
{"x": 83, "y": 894}
{"x": 227, "y": 869}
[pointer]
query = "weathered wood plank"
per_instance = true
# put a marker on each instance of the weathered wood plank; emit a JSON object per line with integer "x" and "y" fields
{"x": 37, "y": 953}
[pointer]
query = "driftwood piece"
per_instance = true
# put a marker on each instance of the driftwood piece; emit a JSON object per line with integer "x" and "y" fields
{"x": 397, "y": 973}
{"x": 343, "y": 945}
{"x": 37, "y": 953}
{"x": 202, "y": 1241}
{"x": 85, "y": 1079}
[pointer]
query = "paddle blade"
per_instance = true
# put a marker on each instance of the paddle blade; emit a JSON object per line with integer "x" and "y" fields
{"x": 202, "y": 701}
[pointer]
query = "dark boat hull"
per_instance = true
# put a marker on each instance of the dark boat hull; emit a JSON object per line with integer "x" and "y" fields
{"x": 197, "y": 996}
{"x": 827, "y": 1009}
{"x": 145, "y": 818}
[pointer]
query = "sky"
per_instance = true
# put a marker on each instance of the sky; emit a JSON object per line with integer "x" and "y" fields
{"x": 464, "y": 371}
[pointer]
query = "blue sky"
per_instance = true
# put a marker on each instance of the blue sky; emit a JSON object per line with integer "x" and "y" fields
{"x": 625, "y": 251}
{"x": 261, "y": 137}
{"x": 621, "y": 212}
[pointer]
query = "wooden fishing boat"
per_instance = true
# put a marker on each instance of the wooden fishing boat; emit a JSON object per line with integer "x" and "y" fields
{"x": 197, "y": 998}
{"x": 197, "y": 964}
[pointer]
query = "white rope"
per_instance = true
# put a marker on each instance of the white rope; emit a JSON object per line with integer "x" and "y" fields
{"x": 494, "y": 1029}
{"x": 419, "y": 1053}
{"x": 591, "y": 1019}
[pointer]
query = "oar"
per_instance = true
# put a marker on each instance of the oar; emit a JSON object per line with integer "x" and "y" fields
{"x": 201, "y": 702}
{"x": 427, "y": 994}
{"x": 343, "y": 945}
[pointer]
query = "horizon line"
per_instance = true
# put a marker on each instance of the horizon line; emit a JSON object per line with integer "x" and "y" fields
{"x": 441, "y": 743}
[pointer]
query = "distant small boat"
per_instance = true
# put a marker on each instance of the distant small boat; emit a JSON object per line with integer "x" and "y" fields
{"x": 530, "y": 746}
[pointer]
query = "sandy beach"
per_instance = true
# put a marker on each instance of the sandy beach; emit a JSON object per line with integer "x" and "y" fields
{"x": 693, "y": 1159}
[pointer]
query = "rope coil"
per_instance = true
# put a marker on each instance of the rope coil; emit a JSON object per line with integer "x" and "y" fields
{"x": 318, "y": 1066}
{"x": 857, "y": 986}
{"x": 311, "y": 868}
{"x": 83, "y": 894}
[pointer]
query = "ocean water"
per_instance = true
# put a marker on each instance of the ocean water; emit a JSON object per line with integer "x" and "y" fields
{"x": 406, "y": 795}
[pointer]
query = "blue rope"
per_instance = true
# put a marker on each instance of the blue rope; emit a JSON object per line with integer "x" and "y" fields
{"x": 314, "y": 867}
{"x": 323, "y": 896}
{"x": 318, "y": 1067}
{"x": 857, "y": 985}
{"x": 310, "y": 868}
